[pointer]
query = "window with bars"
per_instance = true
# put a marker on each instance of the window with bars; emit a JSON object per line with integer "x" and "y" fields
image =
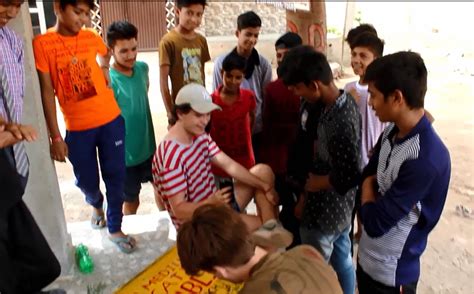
{"x": 95, "y": 17}
{"x": 170, "y": 15}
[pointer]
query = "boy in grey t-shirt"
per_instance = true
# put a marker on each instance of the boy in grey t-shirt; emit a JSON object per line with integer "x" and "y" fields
{"x": 258, "y": 71}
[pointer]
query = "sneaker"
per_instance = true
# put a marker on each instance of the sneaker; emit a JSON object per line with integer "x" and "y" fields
{"x": 272, "y": 234}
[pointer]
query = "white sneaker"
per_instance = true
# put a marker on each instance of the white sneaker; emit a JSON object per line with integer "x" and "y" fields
{"x": 272, "y": 234}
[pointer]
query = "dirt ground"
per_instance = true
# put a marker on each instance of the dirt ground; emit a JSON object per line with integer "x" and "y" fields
{"x": 448, "y": 263}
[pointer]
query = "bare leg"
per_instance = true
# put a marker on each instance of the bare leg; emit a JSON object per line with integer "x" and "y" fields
{"x": 130, "y": 207}
{"x": 253, "y": 222}
{"x": 244, "y": 194}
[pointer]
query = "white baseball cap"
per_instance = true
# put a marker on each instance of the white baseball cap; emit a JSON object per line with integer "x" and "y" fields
{"x": 197, "y": 97}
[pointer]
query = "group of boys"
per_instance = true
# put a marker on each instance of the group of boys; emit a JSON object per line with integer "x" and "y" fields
{"x": 240, "y": 134}
{"x": 192, "y": 166}
{"x": 345, "y": 126}
{"x": 337, "y": 135}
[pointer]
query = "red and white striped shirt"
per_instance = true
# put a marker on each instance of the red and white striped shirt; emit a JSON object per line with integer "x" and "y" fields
{"x": 178, "y": 167}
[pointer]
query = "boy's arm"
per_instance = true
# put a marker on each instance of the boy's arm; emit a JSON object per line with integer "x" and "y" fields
{"x": 252, "y": 118}
{"x": 345, "y": 172}
{"x": 205, "y": 58}
{"x": 217, "y": 79}
{"x": 164, "y": 88}
{"x": 345, "y": 152}
{"x": 104, "y": 58}
{"x": 183, "y": 210}
{"x": 252, "y": 106}
{"x": 380, "y": 214}
{"x": 147, "y": 70}
{"x": 59, "y": 150}
{"x": 267, "y": 76}
{"x": 371, "y": 168}
{"x": 166, "y": 52}
{"x": 105, "y": 66}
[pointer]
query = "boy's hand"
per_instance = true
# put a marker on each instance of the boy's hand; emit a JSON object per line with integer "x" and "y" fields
{"x": 59, "y": 151}
{"x": 355, "y": 94}
{"x": 223, "y": 195}
{"x": 105, "y": 72}
{"x": 272, "y": 196}
{"x": 6, "y": 138}
{"x": 22, "y": 132}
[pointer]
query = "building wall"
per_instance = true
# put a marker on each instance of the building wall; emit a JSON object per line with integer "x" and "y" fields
{"x": 220, "y": 18}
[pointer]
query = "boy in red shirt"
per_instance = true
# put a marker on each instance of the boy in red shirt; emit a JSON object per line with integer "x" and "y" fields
{"x": 231, "y": 127}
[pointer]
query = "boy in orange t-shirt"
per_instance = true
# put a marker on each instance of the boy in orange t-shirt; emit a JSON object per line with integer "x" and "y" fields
{"x": 66, "y": 62}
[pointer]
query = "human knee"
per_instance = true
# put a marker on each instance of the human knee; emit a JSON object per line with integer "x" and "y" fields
{"x": 264, "y": 172}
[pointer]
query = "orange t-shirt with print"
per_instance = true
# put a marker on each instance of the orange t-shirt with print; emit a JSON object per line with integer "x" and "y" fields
{"x": 79, "y": 83}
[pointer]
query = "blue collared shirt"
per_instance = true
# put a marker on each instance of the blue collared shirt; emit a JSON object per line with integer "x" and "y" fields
{"x": 12, "y": 71}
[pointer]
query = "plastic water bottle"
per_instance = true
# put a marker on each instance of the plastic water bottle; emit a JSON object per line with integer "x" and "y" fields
{"x": 83, "y": 259}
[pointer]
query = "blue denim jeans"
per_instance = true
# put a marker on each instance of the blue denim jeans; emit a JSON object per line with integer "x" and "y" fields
{"x": 336, "y": 249}
{"x": 107, "y": 141}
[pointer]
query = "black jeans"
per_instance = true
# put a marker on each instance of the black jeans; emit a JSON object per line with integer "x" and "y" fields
{"x": 366, "y": 284}
{"x": 27, "y": 263}
{"x": 287, "y": 214}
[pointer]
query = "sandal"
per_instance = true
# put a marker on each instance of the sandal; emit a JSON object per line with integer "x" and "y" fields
{"x": 98, "y": 221}
{"x": 125, "y": 244}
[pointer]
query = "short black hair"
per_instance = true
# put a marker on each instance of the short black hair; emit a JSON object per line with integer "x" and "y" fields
{"x": 404, "y": 71}
{"x": 233, "y": 61}
{"x": 186, "y": 3}
{"x": 370, "y": 41}
{"x": 120, "y": 30}
{"x": 303, "y": 64}
{"x": 362, "y": 28}
{"x": 64, "y": 3}
{"x": 288, "y": 40}
{"x": 248, "y": 19}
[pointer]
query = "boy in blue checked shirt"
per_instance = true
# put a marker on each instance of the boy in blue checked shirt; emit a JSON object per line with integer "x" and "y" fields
{"x": 405, "y": 184}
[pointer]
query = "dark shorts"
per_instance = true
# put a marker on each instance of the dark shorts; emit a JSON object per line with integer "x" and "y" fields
{"x": 135, "y": 176}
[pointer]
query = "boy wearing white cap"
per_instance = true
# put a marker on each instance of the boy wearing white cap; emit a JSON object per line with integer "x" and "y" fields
{"x": 182, "y": 171}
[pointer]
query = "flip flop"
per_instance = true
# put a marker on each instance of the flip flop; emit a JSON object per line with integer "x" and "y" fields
{"x": 125, "y": 244}
{"x": 98, "y": 221}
